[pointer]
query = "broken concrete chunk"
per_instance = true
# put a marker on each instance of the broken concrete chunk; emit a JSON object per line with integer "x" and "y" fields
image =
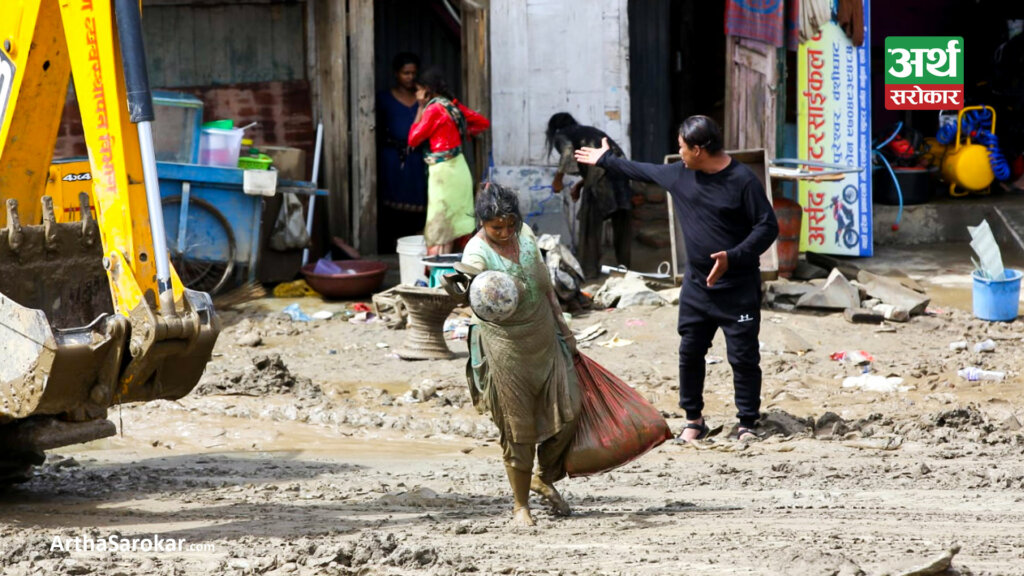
{"x": 836, "y": 294}
{"x": 671, "y": 295}
{"x": 939, "y": 565}
{"x": 890, "y": 291}
{"x": 786, "y": 288}
{"x": 627, "y": 291}
{"x": 849, "y": 269}
{"x": 807, "y": 271}
{"x": 894, "y": 313}
{"x": 863, "y": 316}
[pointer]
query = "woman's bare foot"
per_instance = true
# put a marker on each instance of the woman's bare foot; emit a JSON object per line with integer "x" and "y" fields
{"x": 522, "y": 517}
{"x": 558, "y": 504}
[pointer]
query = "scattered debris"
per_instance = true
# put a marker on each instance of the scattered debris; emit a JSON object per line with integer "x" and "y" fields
{"x": 892, "y": 292}
{"x": 863, "y": 316}
{"x": 627, "y": 291}
{"x": 363, "y": 318}
{"x": 985, "y": 346}
{"x": 590, "y": 333}
{"x": 295, "y": 289}
{"x": 268, "y": 374}
{"x": 457, "y": 328}
{"x": 891, "y": 443}
{"x": 565, "y": 271}
{"x": 893, "y": 313}
{"x": 836, "y": 294}
{"x": 959, "y": 345}
{"x": 934, "y": 567}
{"x": 974, "y": 374}
{"x": 876, "y": 383}
{"x": 806, "y": 271}
{"x": 615, "y": 342}
{"x": 323, "y": 315}
{"x": 250, "y": 339}
{"x": 671, "y": 295}
{"x": 858, "y": 357}
{"x": 295, "y": 313}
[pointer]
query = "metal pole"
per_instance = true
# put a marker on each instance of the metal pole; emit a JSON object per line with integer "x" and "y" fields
{"x": 140, "y": 108}
{"x": 312, "y": 199}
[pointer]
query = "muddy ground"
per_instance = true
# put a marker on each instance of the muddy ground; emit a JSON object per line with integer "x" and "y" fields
{"x": 318, "y": 451}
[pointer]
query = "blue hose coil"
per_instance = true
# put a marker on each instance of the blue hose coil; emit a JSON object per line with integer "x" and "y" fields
{"x": 979, "y": 122}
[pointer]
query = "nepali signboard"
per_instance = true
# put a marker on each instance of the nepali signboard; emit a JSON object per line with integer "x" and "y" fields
{"x": 834, "y": 126}
{"x": 924, "y": 73}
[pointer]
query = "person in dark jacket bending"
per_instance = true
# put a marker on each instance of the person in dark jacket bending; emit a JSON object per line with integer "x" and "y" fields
{"x": 727, "y": 223}
{"x": 604, "y": 196}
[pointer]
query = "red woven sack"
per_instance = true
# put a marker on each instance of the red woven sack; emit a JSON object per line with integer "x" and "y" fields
{"x": 616, "y": 424}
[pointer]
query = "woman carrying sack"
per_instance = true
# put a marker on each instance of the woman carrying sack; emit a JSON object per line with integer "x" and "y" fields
{"x": 446, "y": 123}
{"x": 525, "y": 376}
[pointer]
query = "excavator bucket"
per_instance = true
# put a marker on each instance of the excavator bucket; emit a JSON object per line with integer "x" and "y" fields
{"x": 65, "y": 352}
{"x": 60, "y": 340}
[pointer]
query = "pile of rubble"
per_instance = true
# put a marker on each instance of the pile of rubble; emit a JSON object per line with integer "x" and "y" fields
{"x": 862, "y": 297}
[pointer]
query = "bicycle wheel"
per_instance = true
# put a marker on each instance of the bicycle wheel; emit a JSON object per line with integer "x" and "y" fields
{"x": 205, "y": 257}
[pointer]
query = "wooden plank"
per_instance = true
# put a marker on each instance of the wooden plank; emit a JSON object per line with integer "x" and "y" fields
{"x": 363, "y": 107}
{"x": 728, "y": 130}
{"x": 331, "y": 106}
{"x": 476, "y": 74}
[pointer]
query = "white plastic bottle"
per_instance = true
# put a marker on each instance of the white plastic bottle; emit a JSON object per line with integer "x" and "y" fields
{"x": 973, "y": 374}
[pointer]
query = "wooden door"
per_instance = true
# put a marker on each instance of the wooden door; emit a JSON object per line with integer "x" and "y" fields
{"x": 751, "y": 94}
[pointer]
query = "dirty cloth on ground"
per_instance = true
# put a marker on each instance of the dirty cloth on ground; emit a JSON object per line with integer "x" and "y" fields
{"x": 526, "y": 373}
{"x": 449, "y": 201}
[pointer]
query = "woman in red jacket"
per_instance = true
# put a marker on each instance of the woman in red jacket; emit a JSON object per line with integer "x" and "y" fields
{"x": 446, "y": 123}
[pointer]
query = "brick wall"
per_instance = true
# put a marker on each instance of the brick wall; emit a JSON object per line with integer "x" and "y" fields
{"x": 283, "y": 109}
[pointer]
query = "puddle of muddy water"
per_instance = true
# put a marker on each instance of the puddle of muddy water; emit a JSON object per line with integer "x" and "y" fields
{"x": 169, "y": 433}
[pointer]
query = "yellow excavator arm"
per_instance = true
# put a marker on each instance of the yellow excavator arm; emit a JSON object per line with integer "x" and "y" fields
{"x": 91, "y": 313}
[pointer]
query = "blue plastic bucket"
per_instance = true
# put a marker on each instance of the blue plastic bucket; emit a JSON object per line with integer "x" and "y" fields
{"x": 997, "y": 300}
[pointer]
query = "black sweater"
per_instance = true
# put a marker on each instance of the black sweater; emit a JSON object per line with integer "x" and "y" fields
{"x": 727, "y": 210}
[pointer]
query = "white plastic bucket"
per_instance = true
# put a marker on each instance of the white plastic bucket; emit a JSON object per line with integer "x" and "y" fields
{"x": 411, "y": 250}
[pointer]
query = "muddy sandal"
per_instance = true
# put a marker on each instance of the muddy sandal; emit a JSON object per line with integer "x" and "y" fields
{"x": 703, "y": 431}
{"x": 744, "y": 434}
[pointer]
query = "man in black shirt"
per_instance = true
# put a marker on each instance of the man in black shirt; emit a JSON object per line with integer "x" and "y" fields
{"x": 727, "y": 223}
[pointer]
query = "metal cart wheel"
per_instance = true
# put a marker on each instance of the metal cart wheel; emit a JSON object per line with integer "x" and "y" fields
{"x": 202, "y": 246}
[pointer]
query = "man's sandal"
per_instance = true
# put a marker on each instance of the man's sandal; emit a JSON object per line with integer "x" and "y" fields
{"x": 703, "y": 431}
{"x": 745, "y": 434}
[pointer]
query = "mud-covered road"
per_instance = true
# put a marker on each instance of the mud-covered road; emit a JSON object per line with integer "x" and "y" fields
{"x": 320, "y": 452}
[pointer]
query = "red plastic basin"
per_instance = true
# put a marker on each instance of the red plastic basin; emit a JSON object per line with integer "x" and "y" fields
{"x": 368, "y": 276}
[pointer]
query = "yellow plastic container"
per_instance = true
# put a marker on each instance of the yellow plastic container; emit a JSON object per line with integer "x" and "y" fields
{"x": 967, "y": 168}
